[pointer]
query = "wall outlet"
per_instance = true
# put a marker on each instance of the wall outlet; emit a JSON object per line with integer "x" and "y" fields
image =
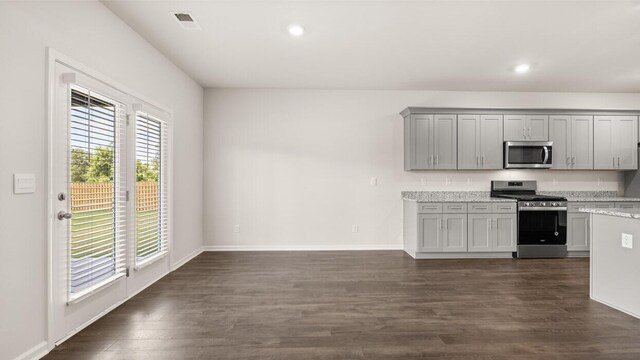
{"x": 374, "y": 181}
{"x": 448, "y": 181}
{"x": 354, "y": 228}
{"x": 423, "y": 181}
{"x": 236, "y": 228}
{"x": 469, "y": 182}
{"x": 627, "y": 241}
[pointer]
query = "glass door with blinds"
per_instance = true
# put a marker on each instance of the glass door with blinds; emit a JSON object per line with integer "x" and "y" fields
{"x": 109, "y": 168}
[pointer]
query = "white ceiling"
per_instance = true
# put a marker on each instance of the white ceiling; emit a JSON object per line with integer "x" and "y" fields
{"x": 412, "y": 45}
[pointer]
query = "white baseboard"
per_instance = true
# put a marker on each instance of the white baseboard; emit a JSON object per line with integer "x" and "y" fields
{"x": 298, "y": 248}
{"x": 35, "y": 352}
{"x": 187, "y": 258}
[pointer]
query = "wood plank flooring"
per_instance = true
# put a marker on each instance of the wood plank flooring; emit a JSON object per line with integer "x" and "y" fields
{"x": 362, "y": 305}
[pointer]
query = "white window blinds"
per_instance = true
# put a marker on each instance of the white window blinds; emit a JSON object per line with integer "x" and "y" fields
{"x": 151, "y": 206}
{"x": 97, "y": 230}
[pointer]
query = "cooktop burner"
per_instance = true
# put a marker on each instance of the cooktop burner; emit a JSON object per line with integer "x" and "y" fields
{"x": 530, "y": 197}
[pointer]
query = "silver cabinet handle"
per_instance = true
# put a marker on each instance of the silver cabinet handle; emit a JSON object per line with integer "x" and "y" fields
{"x": 504, "y": 207}
{"x": 614, "y": 161}
{"x": 568, "y": 160}
{"x": 436, "y": 159}
{"x": 482, "y": 160}
{"x": 490, "y": 223}
{"x": 480, "y": 207}
{"x": 524, "y": 133}
{"x": 477, "y": 161}
{"x": 62, "y": 215}
{"x": 573, "y": 160}
{"x": 618, "y": 162}
{"x": 529, "y": 132}
{"x": 440, "y": 223}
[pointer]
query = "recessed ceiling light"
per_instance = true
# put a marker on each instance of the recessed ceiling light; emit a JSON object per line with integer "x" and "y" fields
{"x": 522, "y": 68}
{"x": 296, "y": 30}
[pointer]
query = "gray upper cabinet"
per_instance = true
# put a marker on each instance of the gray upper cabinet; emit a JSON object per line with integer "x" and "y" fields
{"x": 491, "y": 141}
{"x": 572, "y": 138}
{"x": 515, "y": 128}
{"x": 520, "y": 127}
{"x": 430, "y": 142}
{"x": 615, "y": 142}
{"x": 479, "y": 142}
{"x": 445, "y": 141}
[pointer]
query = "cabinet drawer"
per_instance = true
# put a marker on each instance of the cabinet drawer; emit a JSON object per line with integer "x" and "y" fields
{"x": 627, "y": 204}
{"x": 479, "y": 208}
{"x": 576, "y": 206}
{"x": 504, "y": 208}
{"x": 454, "y": 208}
{"x": 429, "y": 208}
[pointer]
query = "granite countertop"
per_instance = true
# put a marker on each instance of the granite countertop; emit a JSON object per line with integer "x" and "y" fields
{"x": 451, "y": 196}
{"x": 627, "y": 213}
{"x": 590, "y": 196}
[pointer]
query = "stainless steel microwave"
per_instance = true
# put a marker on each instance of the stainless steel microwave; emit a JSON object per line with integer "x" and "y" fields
{"x": 528, "y": 154}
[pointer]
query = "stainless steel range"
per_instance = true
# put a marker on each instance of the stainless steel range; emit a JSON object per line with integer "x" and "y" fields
{"x": 542, "y": 219}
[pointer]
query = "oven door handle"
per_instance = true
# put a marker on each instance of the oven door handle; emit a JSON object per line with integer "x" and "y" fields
{"x": 546, "y": 154}
{"x": 541, "y": 208}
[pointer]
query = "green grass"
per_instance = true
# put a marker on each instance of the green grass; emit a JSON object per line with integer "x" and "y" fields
{"x": 93, "y": 234}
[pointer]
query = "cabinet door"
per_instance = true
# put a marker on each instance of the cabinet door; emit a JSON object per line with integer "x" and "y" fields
{"x": 430, "y": 232}
{"x": 577, "y": 232}
{"x": 514, "y": 128}
{"x": 421, "y": 151}
{"x": 581, "y": 142}
{"x": 491, "y": 142}
{"x": 445, "y": 141}
{"x": 626, "y": 142}
{"x": 480, "y": 229}
{"x": 537, "y": 127}
{"x": 468, "y": 142}
{"x": 560, "y": 134}
{"x": 603, "y": 142}
{"x": 454, "y": 236}
{"x": 505, "y": 230}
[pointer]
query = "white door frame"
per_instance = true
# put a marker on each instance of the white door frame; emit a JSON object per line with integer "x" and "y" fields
{"x": 53, "y": 57}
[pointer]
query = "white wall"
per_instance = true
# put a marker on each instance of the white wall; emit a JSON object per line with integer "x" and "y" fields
{"x": 92, "y": 35}
{"x": 293, "y": 167}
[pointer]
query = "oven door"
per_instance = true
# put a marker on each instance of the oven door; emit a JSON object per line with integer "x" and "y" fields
{"x": 528, "y": 155}
{"x": 542, "y": 226}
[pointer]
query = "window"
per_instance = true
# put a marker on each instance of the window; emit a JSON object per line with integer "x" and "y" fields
{"x": 97, "y": 229}
{"x": 151, "y": 210}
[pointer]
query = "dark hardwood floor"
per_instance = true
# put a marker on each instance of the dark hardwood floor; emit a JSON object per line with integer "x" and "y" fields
{"x": 361, "y": 305}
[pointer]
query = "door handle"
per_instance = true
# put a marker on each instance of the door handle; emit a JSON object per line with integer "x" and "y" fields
{"x": 546, "y": 154}
{"x": 62, "y": 215}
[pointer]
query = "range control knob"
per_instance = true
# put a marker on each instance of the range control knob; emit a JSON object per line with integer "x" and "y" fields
{"x": 554, "y": 204}
{"x": 543, "y": 204}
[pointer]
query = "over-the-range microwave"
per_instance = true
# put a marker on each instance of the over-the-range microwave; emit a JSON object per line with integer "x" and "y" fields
{"x": 528, "y": 154}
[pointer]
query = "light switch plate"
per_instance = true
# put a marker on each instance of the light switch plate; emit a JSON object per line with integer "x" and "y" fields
{"x": 24, "y": 183}
{"x": 627, "y": 241}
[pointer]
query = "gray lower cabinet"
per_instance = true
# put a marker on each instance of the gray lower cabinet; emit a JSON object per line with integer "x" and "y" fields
{"x": 480, "y": 142}
{"x": 430, "y": 142}
{"x": 442, "y": 232}
{"x": 492, "y": 232}
{"x": 578, "y": 232}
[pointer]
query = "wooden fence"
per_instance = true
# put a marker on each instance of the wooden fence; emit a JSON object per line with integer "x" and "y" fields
{"x": 86, "y": 196}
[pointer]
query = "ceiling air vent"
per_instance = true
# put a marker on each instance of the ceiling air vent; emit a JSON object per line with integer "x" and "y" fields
{"x": 186, "y": 20}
